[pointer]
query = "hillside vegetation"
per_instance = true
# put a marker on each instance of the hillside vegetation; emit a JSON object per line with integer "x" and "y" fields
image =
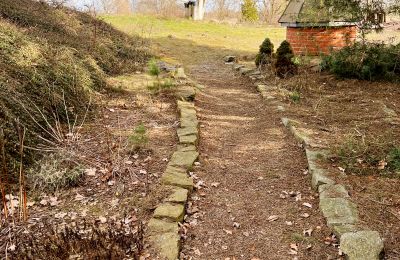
{"x": 51, "y": 60}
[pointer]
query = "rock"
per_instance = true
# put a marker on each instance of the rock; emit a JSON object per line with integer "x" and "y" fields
{"x": 238, "y": 67}
{"x": 185, "y": 148}
{"x": 174, "y": 212}
{"x": 333, "y": 191}
{"x": 229, "y": 58}
{"x": 177, "y": 177}
{"x": 162, "y": 226}
{"x": 178, "y": 195}
{"x": 166, "y": 67}
{"x": 362, "y": 245}
{"x": 187, "y": 93}
{"x": 183, "y": 160}
{"x": 255, "y": 72}
{"x": 167, "y": 245}
{"x": 187, "y": 131}
{"x": 245, "y": 71}
{"x": 188, "y": 139}
{"x": 338, "y": 211}
{"x": 185, "y": 104}
{"x": 180, "y": 73}
{"x": 318, "y": 175}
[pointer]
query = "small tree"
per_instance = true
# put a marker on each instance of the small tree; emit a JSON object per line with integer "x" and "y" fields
{"x": 265, "y": 54}
{"x": 284, "y": 60}
{"x": 249, "y": 11}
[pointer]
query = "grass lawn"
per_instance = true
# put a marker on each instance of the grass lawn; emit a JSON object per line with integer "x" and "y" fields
{"x": 189, "y": 42}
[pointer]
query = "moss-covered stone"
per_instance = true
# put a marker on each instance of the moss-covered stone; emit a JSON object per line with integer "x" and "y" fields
{"x": 173, "y": 212}
{"x": 333, "y": 191}
{"x": 167, "y": 245}
{"x": 157, "y": 226}
{"x": 177, "y": 177}
{"x": 188, "y": 139}
{"x": 183, "y": 160}
{"x": 362, "y": 245}
{"x": 338, "y": 211}
{"x": 178, "y": 195}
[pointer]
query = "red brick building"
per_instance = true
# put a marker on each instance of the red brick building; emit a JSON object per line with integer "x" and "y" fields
{"x": 313, "y": 29}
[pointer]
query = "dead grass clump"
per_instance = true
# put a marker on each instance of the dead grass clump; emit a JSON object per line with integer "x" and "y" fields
{"x": 366, "y": 155}
{"x": 116, "y": 240}
{"x": 55, "y": 171}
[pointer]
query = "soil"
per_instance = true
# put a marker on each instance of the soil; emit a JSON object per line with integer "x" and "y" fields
{"x": 249, "y": 166}
{"x": 336, "y": 111}
{"x": 120, "y": 188}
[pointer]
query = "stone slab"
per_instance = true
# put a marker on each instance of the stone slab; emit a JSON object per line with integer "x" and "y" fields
{"x": 180, "y": 73}
{"x": 238, "y": 67}
{"x": 173, "y": 212}
{"x": 338, "y": 211}
{"x": 183, "y": 160}
{"x": 318, "y": 175}
{"x": 185, "y": 148}
{"x": 178, "y": 195}
{"x": 333, "y": 191}
{"x": 362, "y": 245}
{"x": 185, "y": 93}
{"x": 188, "y": 122}
{"x": 245, "y": 71}
{"x": 156, "y": 226}
{"x": 188, "y": 139}
{"x": 177, "y": 177}
{"x": 187, "y": 131}
{"x": 167, "y": 245}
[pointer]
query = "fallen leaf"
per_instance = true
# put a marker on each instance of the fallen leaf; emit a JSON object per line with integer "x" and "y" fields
{"x": 308, "y": 205}
{"x": 90, "y": 172}
{"x": 273, "y": 218}
{"x": 79, "y": 197}
{"x": 305, "y": 215}
{"x": 215, "y": 184}
{"x": 60, "y": 215}
{"x": 382, "y": 165}
{"x": 246, "y": 234}
{"x": 229, "y": 232}
{"x": 102, "y": 219}
{"x": 294, "y": 246}
{"x": 236, "y": 225}
{"x": 288, "y": 223}
{"x": 308, "y": 232}
{"x": 11, "y": 248}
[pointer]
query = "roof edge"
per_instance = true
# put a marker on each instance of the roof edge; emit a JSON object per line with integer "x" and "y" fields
{"x": 325, "y": 24}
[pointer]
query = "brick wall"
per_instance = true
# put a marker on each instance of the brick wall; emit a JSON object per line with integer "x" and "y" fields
{"x": 316, "y": 40}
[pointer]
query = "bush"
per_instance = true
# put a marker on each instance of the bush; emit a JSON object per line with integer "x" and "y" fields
{"x": 284, "y": 60}
{"x": 368, "y": 61}
{"x": 265, "y": 53}
{"x": 267, "y": 47}
{"x": 249, "y": 11}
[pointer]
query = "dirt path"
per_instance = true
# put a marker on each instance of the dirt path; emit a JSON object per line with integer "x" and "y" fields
{"x": 248, "y": 162}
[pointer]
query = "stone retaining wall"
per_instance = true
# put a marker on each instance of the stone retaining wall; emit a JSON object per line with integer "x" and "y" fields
{"x": 163, "y": 228}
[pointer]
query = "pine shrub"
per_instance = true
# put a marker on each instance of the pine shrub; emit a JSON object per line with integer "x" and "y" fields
{"x": 284, "y": 60}
{"x": 367, "y": 61}
{"x": 265, "y": 54}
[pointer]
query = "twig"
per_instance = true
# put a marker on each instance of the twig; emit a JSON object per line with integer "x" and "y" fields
{"x": 3, "y": 173}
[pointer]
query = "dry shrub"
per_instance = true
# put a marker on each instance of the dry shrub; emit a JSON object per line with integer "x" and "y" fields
{"x": 52, "y": 58}
{"x": 116, "y": 240}
{"x": 368, "y": 154}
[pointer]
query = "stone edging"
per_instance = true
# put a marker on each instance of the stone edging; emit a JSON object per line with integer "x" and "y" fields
{"x": 163, "y": 227}
{"x": 356, "y": 242}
